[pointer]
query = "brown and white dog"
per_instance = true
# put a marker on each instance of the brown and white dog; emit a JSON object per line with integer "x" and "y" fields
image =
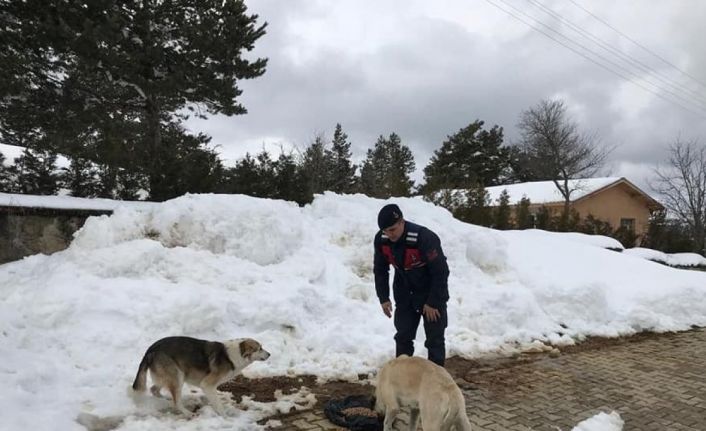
{"x": 427, "y": 388}
{"x": 173, "y": 361}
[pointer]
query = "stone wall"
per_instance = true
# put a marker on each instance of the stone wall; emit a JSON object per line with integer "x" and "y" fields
{"x": 27, "y": 231}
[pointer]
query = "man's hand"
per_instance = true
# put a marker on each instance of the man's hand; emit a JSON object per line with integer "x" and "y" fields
{"x": 387, "y": 308}
{"x": 431, "y": 313}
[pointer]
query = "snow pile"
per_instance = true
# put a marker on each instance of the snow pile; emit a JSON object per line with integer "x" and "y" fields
{"x": 595, "y": 240}
{"x": 75, "y": 324}
{"x": 673, "y": 259}
{"x": 601, "y": 422}
{"x": 68, "y": 202}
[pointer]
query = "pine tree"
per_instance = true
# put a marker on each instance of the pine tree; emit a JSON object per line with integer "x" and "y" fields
{"x": 372, "y": 173}
{"x": 594, "y": 226}
{"x": 189, "y": 165}
{"x": 266, "y": 175}
{"x": 243, "y": 178}
{"x": 656, "y": 230}
{"x": 6, "y": 176}
{"x": 523, "y": 217}
{"x": 316, "y": 169}
{"x": 501, "y": 212}
{"x": 343, "y": 170}
{"x": 476, "y": 209}
{"x": 130, "y": 185}
{"x": 288, "y": 183}
{"x": 544, "y": 218}
{"x": 252, "y": 176}
{"x": 469, "y": 157}
{"x": 37, "y": 173}
{"x": 81, "y": 178}
{"x": 145, "y": 63}
{"x": 387, "y": 168}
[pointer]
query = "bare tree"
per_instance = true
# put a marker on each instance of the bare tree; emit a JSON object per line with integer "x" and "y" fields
{"x": 553, "y": 147}
{"x": 682, "y": 185}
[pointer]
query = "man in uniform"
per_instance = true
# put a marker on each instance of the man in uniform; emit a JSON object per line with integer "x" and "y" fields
{"x": 420, "y": 286}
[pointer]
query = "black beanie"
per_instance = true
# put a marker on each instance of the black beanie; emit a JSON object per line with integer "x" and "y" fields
{"x": 388, "y": 215}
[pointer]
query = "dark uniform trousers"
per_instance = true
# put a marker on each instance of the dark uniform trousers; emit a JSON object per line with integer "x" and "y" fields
{"x": 407, "y": 322}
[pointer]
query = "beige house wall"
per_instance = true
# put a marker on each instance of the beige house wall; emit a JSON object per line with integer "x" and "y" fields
{"x": 614, "y": 204}
{"x": 610, "y": 205}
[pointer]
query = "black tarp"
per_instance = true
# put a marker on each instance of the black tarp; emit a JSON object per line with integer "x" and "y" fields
{"x": 333, "y": 409}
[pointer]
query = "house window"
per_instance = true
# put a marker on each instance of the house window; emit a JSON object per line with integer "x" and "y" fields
{"x": 628, "y": 224}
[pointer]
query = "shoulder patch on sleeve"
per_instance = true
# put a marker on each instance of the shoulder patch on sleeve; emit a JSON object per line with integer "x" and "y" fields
{"x": 432, "y": 254}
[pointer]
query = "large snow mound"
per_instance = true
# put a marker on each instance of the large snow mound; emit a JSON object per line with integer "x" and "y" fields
{"x": 75, "y": 324}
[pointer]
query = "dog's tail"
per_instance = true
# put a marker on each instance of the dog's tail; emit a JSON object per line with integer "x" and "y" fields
{"x": 140, "y": 383}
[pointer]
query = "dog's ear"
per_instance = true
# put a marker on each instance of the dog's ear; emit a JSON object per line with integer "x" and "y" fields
{"x": 248, "y": 347}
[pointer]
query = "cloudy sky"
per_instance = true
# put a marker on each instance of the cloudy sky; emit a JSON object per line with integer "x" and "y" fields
{"x": 425, "y": 69}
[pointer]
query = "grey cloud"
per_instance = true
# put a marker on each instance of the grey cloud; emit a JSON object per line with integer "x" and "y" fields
{"x": 435, "y": 77}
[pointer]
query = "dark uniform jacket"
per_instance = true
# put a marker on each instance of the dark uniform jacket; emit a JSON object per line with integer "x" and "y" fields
{"x": 421, "y": 272}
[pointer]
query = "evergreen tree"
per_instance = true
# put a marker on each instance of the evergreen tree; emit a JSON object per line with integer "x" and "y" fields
{"x": 372, "y": 173}
{"x": 252, "y": 176}
{"x": 387, "y": 168}
{"x": 142, "y": 62}
{"x": 6, "y": 176}
{"x": 523, "y": 217}
{"x": 189, "y": 165}
{"x": 594, "y": 226}
{"x": 501, "y": 212}
{"x": 667, "y": 235}
{"x": 574, "y": 221}
{"x": 452, "y": 200}
{"x": 520, "y": 169}
{"x": 343, "y": 170}
{"x": 37, "y": 173}
{"x": 288, "y": 183}
{"x": 627, "y": 237}
{"x": 471, "y": 156}
{"x": 243, "y": 178}
{"x": 316, "y": 169}
{"x": 544, "y": 218}
{"x": 81, "y": 178}
{"x": 655, "y": 237}
{"x": 477, "y": 207}
{"x": 26, "y": 87}
{"x": 266, "y": 175}
{"x": 119, "y": 183}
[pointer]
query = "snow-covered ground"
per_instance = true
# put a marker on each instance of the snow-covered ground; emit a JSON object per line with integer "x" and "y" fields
{"x": 68, "y": 202}
{"x": 601, "y": 422}
{"x": 595, "y": 240}
{"x": 671, "y": 259}
{"x": 75, "y": 324}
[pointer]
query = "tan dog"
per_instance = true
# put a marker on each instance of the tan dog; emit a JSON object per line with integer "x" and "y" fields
{"x": 173, "y": 361}
{"x": 425, "y": 387}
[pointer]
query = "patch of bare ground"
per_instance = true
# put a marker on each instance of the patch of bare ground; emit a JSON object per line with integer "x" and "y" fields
{"x": 263, "y": 389}
{"x": 496, "y": 374}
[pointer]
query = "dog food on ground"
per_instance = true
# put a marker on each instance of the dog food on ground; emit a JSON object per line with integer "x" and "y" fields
{"x": 359, "y": 411}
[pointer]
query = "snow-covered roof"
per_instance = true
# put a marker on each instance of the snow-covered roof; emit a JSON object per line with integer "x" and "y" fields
{"x": 544, "y": 192}
{"x": 66, "y": 202}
